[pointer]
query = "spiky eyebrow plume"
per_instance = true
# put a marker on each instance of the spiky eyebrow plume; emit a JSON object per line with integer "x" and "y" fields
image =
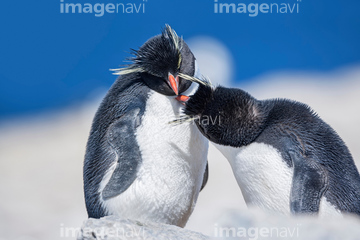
{"x": 204, "y": 80}
{"x": 175, "y": 39}
{"x": 134, "y": 67}
{"x": 127, "y": 70}
{"x": 172, "y": 34}
{"x": 137, "y": 65}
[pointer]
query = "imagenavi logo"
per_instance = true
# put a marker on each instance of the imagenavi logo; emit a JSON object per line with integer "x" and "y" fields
{"x": 100, "y": 9}
{"x": 254, "y": 9}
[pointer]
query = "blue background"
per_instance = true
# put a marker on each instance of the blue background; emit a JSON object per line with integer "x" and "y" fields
{"x": 50, "y": 60}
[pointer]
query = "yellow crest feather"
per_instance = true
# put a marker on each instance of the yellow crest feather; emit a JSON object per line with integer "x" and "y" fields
{"x": 204, "y": 81}
{"x": 177, "y": 41}
{"x": 127, "y": 70}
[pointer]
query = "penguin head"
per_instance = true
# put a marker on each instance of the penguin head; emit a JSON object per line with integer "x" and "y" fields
{"x": 225, "y": 116}
{"x": 160, "y": 61}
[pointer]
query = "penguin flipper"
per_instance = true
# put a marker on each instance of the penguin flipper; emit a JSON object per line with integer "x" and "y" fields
{"x": 310, "y": 181}
{"x": 123, "y": 145}
{"x": 206, "y": 176}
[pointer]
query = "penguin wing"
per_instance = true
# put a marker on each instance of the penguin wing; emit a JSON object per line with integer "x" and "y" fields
{"x": 206, "y": 176}
{"x": 310, "y": 181}
{"x": 123, "y": 145}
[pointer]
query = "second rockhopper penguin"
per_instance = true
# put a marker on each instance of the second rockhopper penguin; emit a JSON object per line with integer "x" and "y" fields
{"x": 284, "y": 157}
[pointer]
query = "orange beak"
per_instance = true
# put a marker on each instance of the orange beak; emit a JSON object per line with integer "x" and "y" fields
{"x": 182, "y": 98}
{"x": 174, "y": 83}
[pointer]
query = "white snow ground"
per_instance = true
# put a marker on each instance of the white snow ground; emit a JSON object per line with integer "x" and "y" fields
{"x": 41, "y": 156}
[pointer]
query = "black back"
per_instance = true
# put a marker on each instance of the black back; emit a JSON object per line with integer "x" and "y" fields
{"x": 127, "y": 93}
{"x": 294, "y": 126}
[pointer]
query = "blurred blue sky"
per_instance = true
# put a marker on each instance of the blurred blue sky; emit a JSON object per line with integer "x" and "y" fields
{"x": 50, "y": 59}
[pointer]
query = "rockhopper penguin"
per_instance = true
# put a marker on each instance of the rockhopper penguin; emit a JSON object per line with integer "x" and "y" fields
{"x": 284, "y": 157}
{"x": 137, "y": 165}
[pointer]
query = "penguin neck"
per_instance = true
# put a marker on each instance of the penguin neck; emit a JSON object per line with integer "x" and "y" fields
{"x": 242, "y": 122}
{"x": 252, "y": 124}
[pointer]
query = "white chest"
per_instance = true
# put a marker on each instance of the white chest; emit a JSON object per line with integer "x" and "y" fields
{"x": 265, "y": 179}
{"x": 171, "y": 173}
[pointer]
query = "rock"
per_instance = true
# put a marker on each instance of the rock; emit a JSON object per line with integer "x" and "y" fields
{"x": 256, "y": 225}
{"x": 114, "y": 228}
{"x": 250, "y": 224}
